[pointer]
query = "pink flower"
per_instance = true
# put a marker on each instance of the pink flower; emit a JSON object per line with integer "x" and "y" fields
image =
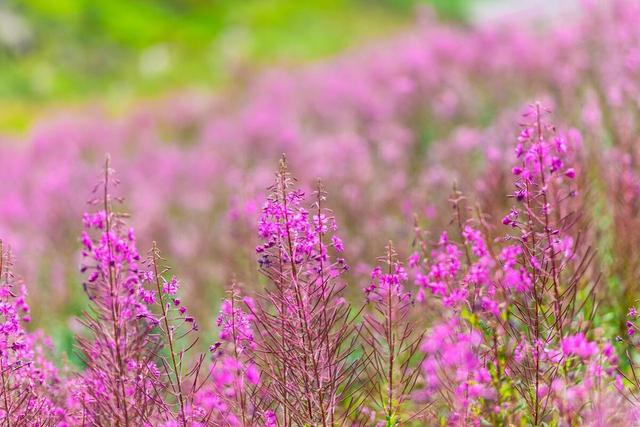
{"x": 578, "y": 345}
{"x": 337, "y": 243}
{"x": 171, "y": 287}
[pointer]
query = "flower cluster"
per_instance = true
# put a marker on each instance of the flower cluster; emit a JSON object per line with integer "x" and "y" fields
{"x": 235, "y": 378}
{"x": 509, "y": 324}
{"x": 505, "y": 343}
{"x": 30, "y": 383}
{"x": 429, "y": 107}
{"x": 298, "y": 236}
{"x": 454, "y": 367}
{"x": 121, "y": 370}
{"x": 392, "y": 338}
{"x": 306, "y": 326}
{"x": 511, "y": 335}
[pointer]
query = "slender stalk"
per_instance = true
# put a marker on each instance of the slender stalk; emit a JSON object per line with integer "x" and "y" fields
{"x": 113, "y": 300}
{"x": 308, "y": 342}
{"x": 174, "y": 364}
{"x": 536, "y": 328}
{"x": 236, "y": 356}
{"x": 556, "y": 291}
{"x": 5, "y": 393}
{"x": 390, "y": 340}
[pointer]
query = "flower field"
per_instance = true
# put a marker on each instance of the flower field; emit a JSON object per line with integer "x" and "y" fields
{"x": 441, "y": 227}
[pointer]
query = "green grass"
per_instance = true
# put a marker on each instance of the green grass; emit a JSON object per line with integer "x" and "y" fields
{"x": 118, "y": 50}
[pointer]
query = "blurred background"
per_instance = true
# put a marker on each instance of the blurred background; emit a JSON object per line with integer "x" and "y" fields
{"x": 64, "y": 55}
{"x": 196, "y": 100}
{"x": 69, "y": 51}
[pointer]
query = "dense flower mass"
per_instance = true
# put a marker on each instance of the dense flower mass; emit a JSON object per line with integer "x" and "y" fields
{"x": 388, "y": 127}
{"x": 511, "y": 302}
{"x": 509, "y": 341}
{"x": 30, "y": 382}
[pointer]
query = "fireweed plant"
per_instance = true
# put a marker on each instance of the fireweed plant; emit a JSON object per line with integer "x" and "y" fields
{"x": 393, "y": 340}
{"x": 30, "y": 388}
{"x": 499, "y": 331}
{"x": 433, "y": 105}
{"x": 513, "y": 346}
{"x": 234, "y": 395}
{"x": 136, "y": 326}
{"x": 307, "y": 335}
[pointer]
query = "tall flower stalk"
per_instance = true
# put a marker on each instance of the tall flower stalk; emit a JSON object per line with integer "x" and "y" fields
{"x": 392, "y": 339}
{"x": 235, "y": 395}
{"x": 546, "y": 253}
{"x": 305, "y": 327}
{"x": 122, "y": 384}
{"x": 29, "y": 383}
{"x": 177, "y": 328}
{"x": 520, "y": 306}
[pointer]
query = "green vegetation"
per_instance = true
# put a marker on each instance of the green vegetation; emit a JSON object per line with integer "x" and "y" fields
{"x": 70, "y": 50}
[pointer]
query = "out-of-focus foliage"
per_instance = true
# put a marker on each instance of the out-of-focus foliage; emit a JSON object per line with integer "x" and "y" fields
{"x": 69, "y": 49}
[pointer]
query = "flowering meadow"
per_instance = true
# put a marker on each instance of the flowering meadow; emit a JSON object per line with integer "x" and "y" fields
{"x": 441, "y": 228}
